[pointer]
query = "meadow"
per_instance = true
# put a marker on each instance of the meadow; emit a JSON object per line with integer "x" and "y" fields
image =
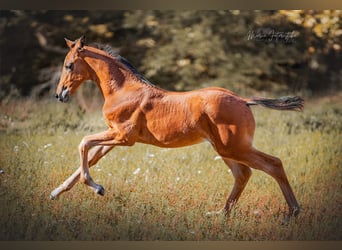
{"x": 165, "y": 194}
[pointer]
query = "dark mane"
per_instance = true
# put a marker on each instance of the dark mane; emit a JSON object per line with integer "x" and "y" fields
{"x": 113, "y": 53}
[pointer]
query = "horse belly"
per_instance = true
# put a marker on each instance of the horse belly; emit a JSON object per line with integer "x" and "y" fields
{"x": 171, "y": 130}
{"x": 175, "y": 143}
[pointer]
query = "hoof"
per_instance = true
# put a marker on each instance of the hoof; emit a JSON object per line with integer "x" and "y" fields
{"x": 295, "y": 211}
{"x": 292, "y": 215}
{"x": 100, "y": 190}
{"x": 53, "y": 195}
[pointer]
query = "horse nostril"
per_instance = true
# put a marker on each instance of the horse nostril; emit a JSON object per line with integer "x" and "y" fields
{"x": 56, "y": 95}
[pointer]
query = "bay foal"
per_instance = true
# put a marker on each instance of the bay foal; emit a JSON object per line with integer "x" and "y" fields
{"x": 137, "y": 111}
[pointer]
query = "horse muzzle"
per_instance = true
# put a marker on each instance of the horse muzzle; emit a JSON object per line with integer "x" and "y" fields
{"x": 63, "y": 96}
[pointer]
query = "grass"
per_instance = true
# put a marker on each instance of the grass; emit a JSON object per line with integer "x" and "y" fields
{"x": 164, "y": 194}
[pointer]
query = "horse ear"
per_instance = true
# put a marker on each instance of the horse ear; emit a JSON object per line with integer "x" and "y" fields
{"x": 69, "y": 43}
{"x": 82, "y": 40}
{"x": 80, "y": 43}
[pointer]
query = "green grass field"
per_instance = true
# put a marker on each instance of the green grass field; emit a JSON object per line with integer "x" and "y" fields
{"x": 165, "y": 194}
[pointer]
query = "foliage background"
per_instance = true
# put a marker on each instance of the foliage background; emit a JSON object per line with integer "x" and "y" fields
{"x": 180, "y": 50}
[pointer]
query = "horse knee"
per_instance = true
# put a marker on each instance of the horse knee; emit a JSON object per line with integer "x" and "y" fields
{"x": 242, "y": 177}
{"x": 277, "y": 165}
{"x": 241, "y": 172}
{"x": 84, "y": 146}
{"x": 274, "y": 167}
{"x": 275, "y": 161}
{"x": 264, "y": 162}
{"x": 247, "y": 173}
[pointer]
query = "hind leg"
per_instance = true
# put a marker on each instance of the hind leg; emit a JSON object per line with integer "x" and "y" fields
{"x": 274, "y": 167}
{"x": 241, "y": 173}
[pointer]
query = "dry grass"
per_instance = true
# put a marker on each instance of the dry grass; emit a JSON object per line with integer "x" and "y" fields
{"x": 164, "y": 194}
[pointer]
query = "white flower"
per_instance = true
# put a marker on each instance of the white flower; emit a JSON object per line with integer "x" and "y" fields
{"x": 217, "y": 158}
{"x": 137, "y": 171}
{"x": 257, "y": 212}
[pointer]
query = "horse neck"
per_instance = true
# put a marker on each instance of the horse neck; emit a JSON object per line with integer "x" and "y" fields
{"x": 109, "y": 74}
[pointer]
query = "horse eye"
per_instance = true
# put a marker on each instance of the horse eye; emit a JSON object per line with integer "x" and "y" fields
{"x": 69, "y": 66}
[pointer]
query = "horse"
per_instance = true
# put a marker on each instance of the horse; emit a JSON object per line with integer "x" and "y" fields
{"x": 136, "y": 111}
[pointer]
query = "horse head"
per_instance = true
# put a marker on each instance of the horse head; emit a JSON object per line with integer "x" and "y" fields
{"x": 75, "y": 70}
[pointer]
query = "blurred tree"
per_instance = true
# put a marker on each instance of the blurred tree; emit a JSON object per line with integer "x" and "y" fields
{"x": 319, "y": 46}
{"x": 246, "y": 51}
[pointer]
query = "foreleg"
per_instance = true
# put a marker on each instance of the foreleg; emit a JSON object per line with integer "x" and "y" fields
{"x": 94, "y": 157}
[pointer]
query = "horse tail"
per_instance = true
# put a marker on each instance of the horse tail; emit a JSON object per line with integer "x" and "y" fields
{"x": 282, "y": 103}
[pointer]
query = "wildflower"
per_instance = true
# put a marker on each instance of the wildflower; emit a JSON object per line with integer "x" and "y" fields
{"x": 137, "y": 171}
{"x": 217, "y": 158}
